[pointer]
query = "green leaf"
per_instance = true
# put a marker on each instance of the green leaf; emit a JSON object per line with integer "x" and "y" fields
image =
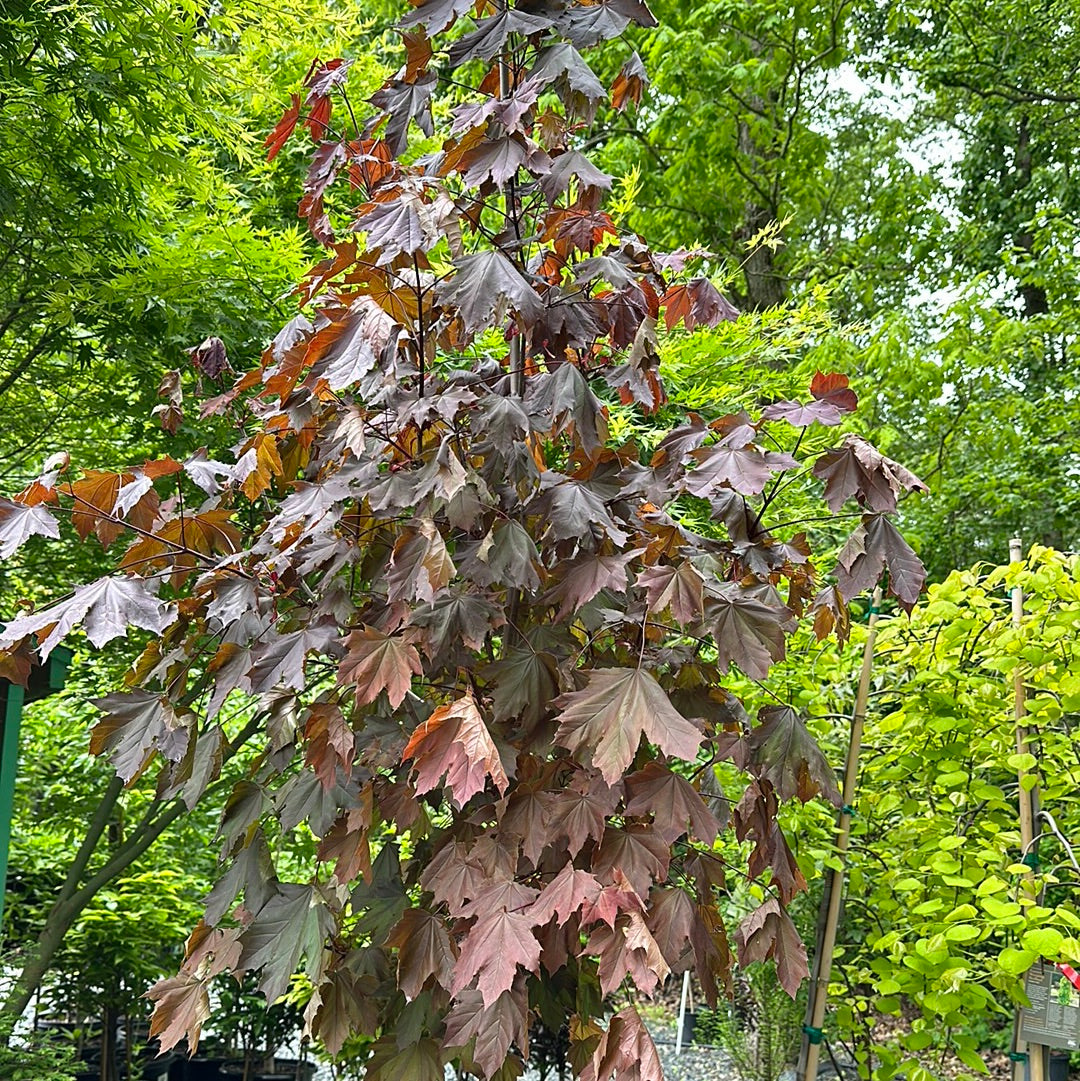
{"x": 1043, "y": 940}
{"x": 1017, "y": 962}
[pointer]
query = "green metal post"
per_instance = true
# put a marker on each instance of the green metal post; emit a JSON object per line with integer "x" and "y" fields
{"x": 44, "y": 680}
{"x": 11, "y": 706}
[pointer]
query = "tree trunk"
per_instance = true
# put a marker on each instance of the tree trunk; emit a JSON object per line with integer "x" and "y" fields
{"x": 1033, "y": 296}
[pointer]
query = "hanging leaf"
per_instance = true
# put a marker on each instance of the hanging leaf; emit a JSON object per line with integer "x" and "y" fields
{"x": 486, "y": 286}
{"x": 377, "y": 662}
{"x": 617, "y": 707}
{"x": 875, "y": 546}
{"x": 630, "y": 83}
{"x": 784, "y": 753}
{"x": 768, "y": 933}
{"x": 18, "y": 523}
{"x": 454, "y": 742}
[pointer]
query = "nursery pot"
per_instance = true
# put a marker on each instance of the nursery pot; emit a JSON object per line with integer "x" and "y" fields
{"x": 1059, "y": 1066}
{"x": 688, "y": 1028}
{"x": 150, "y": 1066}
{"x": 288, "y": 1068}
{"x": 198, "y": 1068}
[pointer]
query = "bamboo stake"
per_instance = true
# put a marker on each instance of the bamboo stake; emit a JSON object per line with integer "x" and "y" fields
{"x": 820, "y": 986}
{"x": 1027, "y": 801}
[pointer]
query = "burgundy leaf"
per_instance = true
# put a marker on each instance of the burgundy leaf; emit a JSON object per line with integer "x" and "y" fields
{"x": 490, "y": 34}
{"x": 394, "y": 228}
{"x": 637, "y": 852}
{"x": 210, "y": 358}
{"x": 749, "y": 625}
{"x": 856, "y": 469}
{"x": 696, "y": 302}
{"x": 486, "y": 286}
{"x": 583, "y": 578}
{"x": 579, "y": 813}
{"x": 784, "y": 753}
{"x": 677, "y": 587}
{"x": 494, "y": 161}
{"x": 400, "y": 102}
{"x": 526, "y": 683}
{"x": 496, "y": 946}
{"x": 573, "y": 167}
{"x": 290, "y": 925}
{"x": 673, "y": 802}
{"x": 496, "y": 1028}
{"x": 617, "y": 707}
{"x": 562, "y": 67}
{"x": 875, "y": 546}
{"x": 436, "y": 15}
{"x": 420, "y": 565}
{"x": 565, "y": 895}
{"x": 573, "y": 510}
{"x": 424, "y": 951}
{"x": 670, "y": 919}
{"x": 769, "y": 933}
{"x": 745, "y": 469}
{"x": 182, "y": 1004}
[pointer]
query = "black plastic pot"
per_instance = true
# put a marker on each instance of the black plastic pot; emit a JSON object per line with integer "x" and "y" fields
{"x": 284, "y": 1069}
{"x": 149, "y": 1066}
{"x": 1059, "y": 1066}
{"x": 688, "y": 1028}
{"x": 199, "y": 1068}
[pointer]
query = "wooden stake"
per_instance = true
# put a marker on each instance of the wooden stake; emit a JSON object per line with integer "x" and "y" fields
{"x": 1027, "y": 802}
{"x": 819, "y": 989}
{"x": 682, "y": 1011}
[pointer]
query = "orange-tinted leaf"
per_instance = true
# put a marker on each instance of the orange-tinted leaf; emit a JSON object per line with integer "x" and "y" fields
{"x": 15, "y": 664}
{"x": 694, "y": 302}
{"x": 259, "y": 465}
{"x": 347, "y": 843}
{"x": 833, "y": 388}
{"x": 629, "y": 83}
{"x": 96, "y": 511}
{"x": 454, "y": 742}
{"x": 283, "y": 129}
{"x": 331, "y": 742}
{"x": 179, "y": 541}
{"x": 418, "y": 53}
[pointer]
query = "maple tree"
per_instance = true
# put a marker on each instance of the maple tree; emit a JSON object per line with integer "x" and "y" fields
{"x": 485, "y": 641}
